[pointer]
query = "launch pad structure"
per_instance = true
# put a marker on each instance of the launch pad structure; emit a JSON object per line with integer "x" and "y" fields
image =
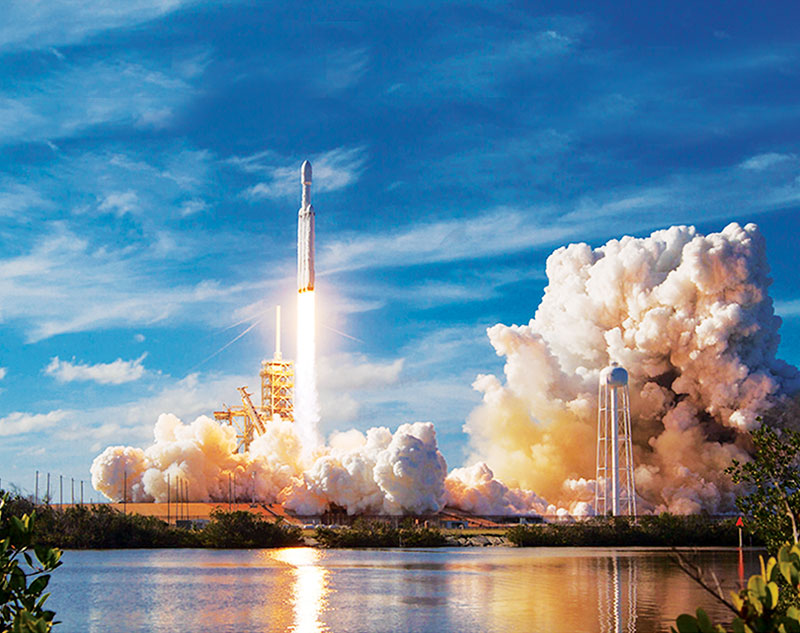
{"x": 277, "y": 398}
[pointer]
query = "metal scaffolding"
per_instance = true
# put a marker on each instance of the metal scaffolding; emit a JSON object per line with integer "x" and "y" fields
{"x": 277, "y": 398}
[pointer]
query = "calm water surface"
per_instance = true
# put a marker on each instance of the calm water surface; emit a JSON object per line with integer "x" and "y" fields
{"x": 427, "y": 591}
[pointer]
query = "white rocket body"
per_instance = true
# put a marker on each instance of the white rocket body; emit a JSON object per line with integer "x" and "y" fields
{"x": 305, "y": 234}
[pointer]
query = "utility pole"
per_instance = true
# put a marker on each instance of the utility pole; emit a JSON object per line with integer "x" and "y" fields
{"x": 61, "y": 492}
{"x": 125, "y": 491}
{"x": 47, "y": 499}
{"x": 72, "y": 480}
{"x": 81, "y": 491}
{"x": 36, "y": 493}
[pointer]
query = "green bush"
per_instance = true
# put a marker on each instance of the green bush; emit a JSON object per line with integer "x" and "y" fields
{"x": 22, "y": 586}
{"x": 241, "y": 529}
{"x": 663, "y": 530}
{"x": 103, "y": 527}
{"x": 771, "y": 483}
{"x": 380, "y": 534}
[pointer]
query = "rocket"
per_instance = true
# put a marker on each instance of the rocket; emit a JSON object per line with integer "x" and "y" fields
{"x": 305, "y": 234}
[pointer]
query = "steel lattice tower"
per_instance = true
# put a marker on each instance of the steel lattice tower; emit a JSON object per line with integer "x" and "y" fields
{"x": 277, "y": 381}
{"x": 615, "y": 491}
{"x": 277, "y": 397}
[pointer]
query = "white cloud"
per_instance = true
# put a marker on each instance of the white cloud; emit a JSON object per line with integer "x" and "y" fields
{"x": 3, "y": 372}
{"x": 332, "y": 170}
{"x": 345, "y": 372}
{"x": 342, "y": 69}
{"x": 501, "y": 231}
{"x": 788, "y": 309}
{"x": 133, "y": 421}
{"x": 473, "y": 70}
{"x": 18, "y": 423}
{"x": 760, "y": 162}
{"x": 53, "y": 288}
{"x": 342, "y": 374}
{"x": 114, "y": 373}
{"x": 16, "y": 198}
{"x": 42, "y": 24}
{"x": 119, "y": 203}
{"x": 191, "y": 207}
{"x": 718, "y": 194}
{"x": 73, "y": 99}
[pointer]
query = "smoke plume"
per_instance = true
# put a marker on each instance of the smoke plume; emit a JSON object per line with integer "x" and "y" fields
{"x": 377, "y": 473}
{"x": 687, "y": 315}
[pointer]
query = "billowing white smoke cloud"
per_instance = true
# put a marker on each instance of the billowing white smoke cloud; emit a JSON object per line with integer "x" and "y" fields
{"x": 689, "y": 317}
{"x": 476, "y": 490}
{"x": 381, "y": 472}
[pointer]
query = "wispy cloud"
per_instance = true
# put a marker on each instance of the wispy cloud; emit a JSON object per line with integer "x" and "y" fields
{"x": 73, "y": 99}
{"x": 467, "y": 69}
{"x": 41, "y": 25}
{"x": 18, "y": 423}
{"x": 114, "y": 373}
{"x": 54, "y": 288}
{"x": 788, "y": 309}
{"x": 342, "y": 69}
{"x": 345, "y": 372}
{"x": 679, "y": 198}
{"x": 3, "y": 372}
{"x": 502, "y": 231}
{"x": 119, "y": 203}
{"x": 333, "y": 170}
{"x": 348, "y": 380}
{"x": 761, "y": 162}
{"x": 133, "y": 421}
{"x": 16, "y": 198}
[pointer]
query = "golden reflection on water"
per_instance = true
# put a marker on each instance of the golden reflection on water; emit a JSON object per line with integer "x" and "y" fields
{"x": 306, "y": 590}
{"x": 310, "y": 591}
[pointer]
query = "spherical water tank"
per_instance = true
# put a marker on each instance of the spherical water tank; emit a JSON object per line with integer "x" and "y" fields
{"x": 614, "y": 376}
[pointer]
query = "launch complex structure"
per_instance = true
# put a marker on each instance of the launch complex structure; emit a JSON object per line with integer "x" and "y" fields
{"x": 277, "y": 397}
{"x": 277, "y": 375}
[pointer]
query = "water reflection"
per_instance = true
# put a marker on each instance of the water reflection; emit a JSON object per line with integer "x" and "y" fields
{"x": 616, "y": 597}
{"x": 303, "y": 590}
{"x": 310, "y": 591}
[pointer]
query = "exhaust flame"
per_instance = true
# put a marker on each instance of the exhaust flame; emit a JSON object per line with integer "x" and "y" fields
{"x": 306, "y": 402}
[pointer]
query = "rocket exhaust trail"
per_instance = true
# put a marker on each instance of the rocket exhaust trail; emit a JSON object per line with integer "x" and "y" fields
{"x": 306, "y": 401}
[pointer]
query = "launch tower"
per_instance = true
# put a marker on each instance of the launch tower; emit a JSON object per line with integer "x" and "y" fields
{"x": 615, "y": 491}
{"x": 277, "y": 381}
{"x": 277, "y": 388}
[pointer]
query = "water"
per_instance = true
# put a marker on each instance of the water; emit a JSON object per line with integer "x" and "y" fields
{"x": 427, "y": 591}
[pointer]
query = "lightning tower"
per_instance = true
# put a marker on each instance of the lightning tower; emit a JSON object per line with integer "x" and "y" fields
{"x": 615, "y": 491}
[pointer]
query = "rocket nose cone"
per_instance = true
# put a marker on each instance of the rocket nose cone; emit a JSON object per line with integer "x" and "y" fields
{"x": 305, "y": 173}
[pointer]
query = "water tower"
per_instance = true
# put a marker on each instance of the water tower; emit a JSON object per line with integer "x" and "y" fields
{"x": 615, "y": 492}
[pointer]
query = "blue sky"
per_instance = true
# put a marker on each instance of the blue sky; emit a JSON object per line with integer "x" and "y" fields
{"x": 149, "y": 157}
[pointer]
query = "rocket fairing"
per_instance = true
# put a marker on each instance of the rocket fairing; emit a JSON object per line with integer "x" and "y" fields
{"x": 305, "y": 234}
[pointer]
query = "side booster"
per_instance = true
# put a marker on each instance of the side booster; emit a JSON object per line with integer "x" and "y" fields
{"x": 305, "y": 234}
